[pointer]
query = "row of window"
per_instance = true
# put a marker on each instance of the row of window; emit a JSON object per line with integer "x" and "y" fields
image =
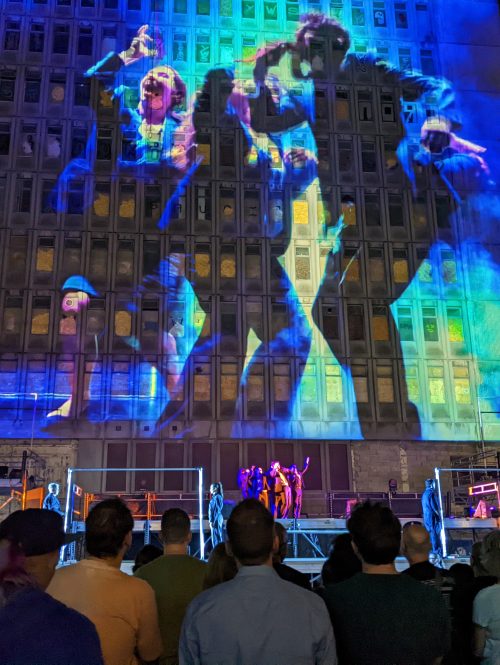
{"x": 429, "y": 328}
{"x": 230, "y": 264}
{"x": 381, "y": 15}
{"x": 120, "y": 388}
{"x": 227, "y": 208}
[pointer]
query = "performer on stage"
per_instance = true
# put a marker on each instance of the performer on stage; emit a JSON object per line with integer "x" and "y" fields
{"x": 432, "y": 516}
{"x": 281, "y": 491}
{"x": 243, "y": 482}
{"x": 215, "y": 513}
{"x": 295, "y": 478}
{"x": 51, "y": 502}
{"x": 255, "y": 482}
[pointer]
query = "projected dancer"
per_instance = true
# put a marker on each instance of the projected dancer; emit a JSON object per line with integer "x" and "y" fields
{"x": 432, "y": 516}
{"x": 77, "y": 292}
{"x": 51, "y": 502}
{"x": 309, "y": 64}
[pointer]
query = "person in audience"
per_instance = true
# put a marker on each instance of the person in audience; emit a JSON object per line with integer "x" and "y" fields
{"x": 342, "y": 563}
{"x": 215, "y": 516}
{"x": 221, "y": 567}
{"x": 416, "y": 547}
{"x": 122, "y": 607}
{"x": 257, "y": 618}
{"x": 145, "y": 555}
{"x": 176, "y": 579}
{"x": 486, "y": 609}
{"x": 279, "y": 555}
{"x": 35, "y": 628}
{"x": 378, "y": 615}
{"x": 461, "y": 574}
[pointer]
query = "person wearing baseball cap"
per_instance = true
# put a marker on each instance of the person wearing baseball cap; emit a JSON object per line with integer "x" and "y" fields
{"x": 34, "y": 627}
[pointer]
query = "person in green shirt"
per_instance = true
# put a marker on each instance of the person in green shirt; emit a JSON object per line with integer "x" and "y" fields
{"x": 176, "y": 579}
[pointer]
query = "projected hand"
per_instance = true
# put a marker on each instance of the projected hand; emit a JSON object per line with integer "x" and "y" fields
{"x": 139, "y": 47}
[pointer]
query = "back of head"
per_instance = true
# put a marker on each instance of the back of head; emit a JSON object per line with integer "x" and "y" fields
{"x": 221, "y": 567}
{"x": 462, "y": 574}
{"x": 175, "y": 527}
{"x": 279, "y": 555}
{"x": 250, "y": 531}
{"x": 490, "y": 553}
{"x": 376, "y": 532}
{"x": 416, "y": 542}
{"x": 342, "y": 562}
{"x": 145, "y": 555}
{"x": 106, "y": 527}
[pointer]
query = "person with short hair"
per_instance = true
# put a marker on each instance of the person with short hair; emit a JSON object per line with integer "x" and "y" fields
{"x": 51, "y": 502}
{"x": 279, "y": 555}
{"x": 378, "y": 615}
{"x": 176, "y": 578}
{"x": 342, "y": 563}
{"x": 35, "y": 628}
{"x": 415, "y": 547}
{"x": 256, "y": 618}
{"x": 122, "y": 607}
{"x": 486, "y": 609}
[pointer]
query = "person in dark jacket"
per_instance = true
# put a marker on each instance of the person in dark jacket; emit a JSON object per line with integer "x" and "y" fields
{"x": 215, "y": 513}
{"x": 432, "y": 516}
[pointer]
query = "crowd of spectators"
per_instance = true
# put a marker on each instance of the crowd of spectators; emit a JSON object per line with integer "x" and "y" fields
{"x": 245, "y": 606}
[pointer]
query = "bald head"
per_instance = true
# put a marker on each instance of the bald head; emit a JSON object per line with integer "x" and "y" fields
{"x": 416, "y": 543}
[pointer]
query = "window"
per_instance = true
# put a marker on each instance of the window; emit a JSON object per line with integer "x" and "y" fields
{"x": 229, "y": 382}
{"x": 333, "y": 384}
{"x": 443, "y": 210}
{"x": 449, "y": 266}
{"x": 203, "y": 7}
{"x": 78, "y": 140}
{"x": 302, "y": 263}
{"x": 150, "y": 256}
{"x": 251, "y": 207}
{"x": 368, "y": 156}
{"x": 281, "y": 382}
{"x": 400, "y": 266}
{"x": 431, "y": 331}
{"x": 12, "y": 35}
{"x": 390, "y": 155}
{"x": 53, "y": 146}
{"x": 202, "y": 261}
{"x": 202, "y": 382}
{"x": 45, "y": 255}
{"x": 5, "y": 132}
{"x": 81, "y": 96}
{"x": 203, "y": 203}
{"x": 226, "y": 48}
{"x": 405, "y": 58}
{"x": 133, "y": 5}
{"x": 7, "y": 85}
{"x": 380, "y": 323}
{"x": 150, "y": 318}
{"x": 358, "y": 13}
{"x": 348, "y": 208}
{"x": 202, "y": 48}
{"x": 122, "y": 321}
{"x": 32, "y": 86}
{"x": 227, "y": 199}
{"x": 427, "y": 62}
{"x": 101, "y": 204}
{"x": 372, "y": 210}
{"x": 455, "y": 325}
{"x": 27, "y": 140}
{"x": 436, "y": 385}
{"x": 365, "y": 106}
{"x": 12, "y": 317}
{"x": 461, "y": 383}
{"x": 125, "y": 263}
{"x": 350, "y": 264}
{"x": 24, "y": 191}
{"x": 330, "y": 315}
{"x": 104, "y": 143}
{"x": 342, "y": 105}
{"x": 16, "y": 260}
{"x": 75, "y": 197}
{"x": 401, "y": 15}
{"x": 57, "y": 88}
{"x": 385, "y": 384}
{"x": 95, "y": 317}
{"x": 360, "y": 382}
{"x": 405, "y": 324}
{"x": 179, "y": 53}
{"x": 396, "y": 216}
{"x": 345, "y": 155}
{"x": 36, "y": 41}
{"x": 253, "y": 262}
{"x": 355, "y": 323}
{"x": 40, "y": 316}
{"x": 379, "y": 14}
{"x": 376, "y": 267}
{"x": 300, "y": 209}
{"x": 60, "y": 43}
{"x": 126, "y": 201}
{"x": 152, "y": 203}
{"x": 72, "y": 256}
{"x": 85, "y": 39}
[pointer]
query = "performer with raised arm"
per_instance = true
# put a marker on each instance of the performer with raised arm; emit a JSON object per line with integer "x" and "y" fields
{"x": 243, "y": 482}
{"x": 296, "y": 480}
{"x": 215, "y": 513}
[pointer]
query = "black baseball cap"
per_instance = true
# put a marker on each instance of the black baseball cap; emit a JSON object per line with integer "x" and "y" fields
{"x": 35, "y": 531}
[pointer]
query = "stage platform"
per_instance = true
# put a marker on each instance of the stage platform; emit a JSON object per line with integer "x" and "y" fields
{"x": 309, "y": 539}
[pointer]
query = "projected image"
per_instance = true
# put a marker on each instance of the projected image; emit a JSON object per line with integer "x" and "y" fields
{"x": 291, "y": 238}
